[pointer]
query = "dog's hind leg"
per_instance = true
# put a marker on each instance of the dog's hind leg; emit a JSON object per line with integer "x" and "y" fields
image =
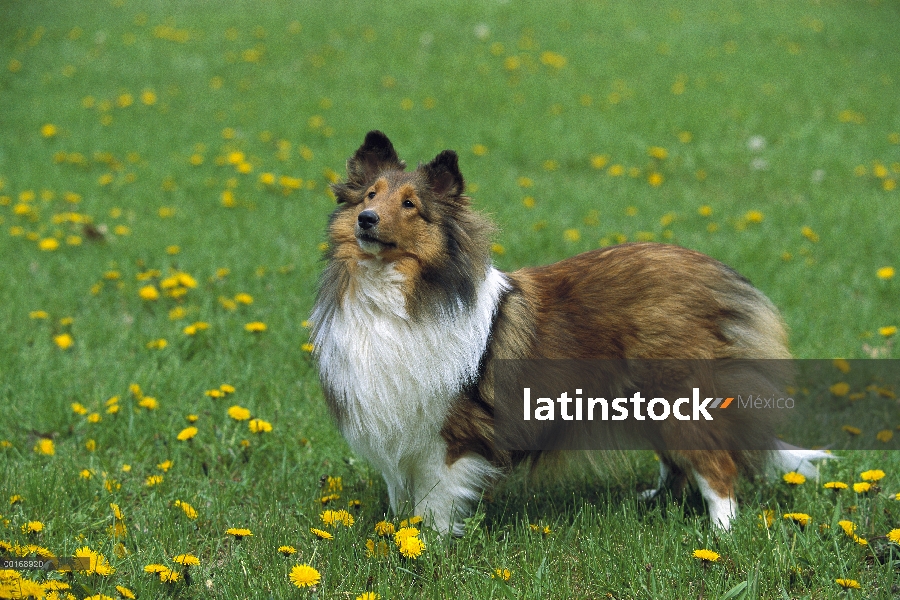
{"x": 716, "y": 473}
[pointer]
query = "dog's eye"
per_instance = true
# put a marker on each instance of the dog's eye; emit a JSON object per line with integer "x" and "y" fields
{"x": 370, "y": 195}
{"x": 408, "y": 204}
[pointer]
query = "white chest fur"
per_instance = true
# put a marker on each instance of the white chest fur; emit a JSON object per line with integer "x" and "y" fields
{"x": 395, "y": 378}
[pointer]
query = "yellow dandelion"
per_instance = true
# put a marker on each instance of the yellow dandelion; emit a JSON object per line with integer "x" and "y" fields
{"x": 64, "y": 341}
{"x": 503, "y": 574}
{"x": 48, "y": 130}
{"x": 188, "y": 560}
{"x": 321, "y": 534}
{"x": 243, "y": 298}
{"x": 238, "y": 533}
{"x": 852, "y": 430}
{"x": 384, "y": 528}
{"x": 255, "y": 327}
{"x": 188, "y": 510}
{"x": 794, "y": 478}
{"x": 153, "y": 480}
{"x": 706, "y": 555}
{"x": 125, "y": 592}
{"x": 259, "y": 426}
{"x": 801, "y": 519}
{"x": 238, "y": 413}
{"x": 187, "y": 433}
{"x": 304, "y": 576}
{"x": 78, "y": 408}
{"x": 287, "y": 550}
{"x": 411, "y": 547}
{"x": 149, "y": 293}
{"x": 479, "y": 149}
{"x": 754, "y": 216}
{"x": 884, "y": 436}
{"x": 894, "y": 536}
{"x": 872, "y": 475}
{"x": 848, "y": 584}
{"x": 836, "y": 485}
{"x": 368, "y": 596}
{"x": 38, "y": 314}
{"x": 32, "y": 527}
{"x": 45, "y": 446}
{"x": 885, "y": 273}
{"x": 149, "y": 403}
{"x": 887, "y": 331}
{"x": 337, "y": 517}
{"x": 862, "y": 487}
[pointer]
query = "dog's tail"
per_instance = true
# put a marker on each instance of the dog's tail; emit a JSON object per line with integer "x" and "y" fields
{"x": 786, "y": 458}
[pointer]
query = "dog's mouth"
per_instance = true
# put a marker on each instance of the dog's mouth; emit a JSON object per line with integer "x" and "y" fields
{"x": 371, "y": 243}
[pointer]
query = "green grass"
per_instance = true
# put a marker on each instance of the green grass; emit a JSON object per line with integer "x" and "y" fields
{"x": 294, "y": 87}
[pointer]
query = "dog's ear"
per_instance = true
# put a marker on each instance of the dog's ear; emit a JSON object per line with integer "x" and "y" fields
{"x": 375, "y": 155}
{"x": 443, "y": 174}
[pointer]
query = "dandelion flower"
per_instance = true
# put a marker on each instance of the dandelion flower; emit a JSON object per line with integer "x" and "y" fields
{"x": 862, "y": 488}
{"x": 836, "y": 485}
{"x": 188, "y": 560}
{"x": 304, "y": 576}
{"x": 243, "y": 298}
{"x": 32, "y": 527}
{"x": 887, "y": 331}
{"x": 238, "y": 413}
{"x": 384, "y": 528}
{"x": 164, "y": 465}
{"x": 894, "y": 536}
{"x": 287, "y": 550}
{"x": 368, "y": 596}
{"x": 405, "y": 532}
{"x": 153, "y": 480}
{"x": 259, "y": 426}
{"x": 338, "y": 517}
{"x": 503, "y": 574}
{"x": 255, "y": 327}
{"x": 148, "y": 403}
{"x": 321, "y": 534}
{"x": 872, "y": 475}
{"x": 125, "y": 592}
{"x": 848, "y": 584}
{"x": 794, "y": 478}
{"x": 801, "y": 519}
{"x": 706, "y": 555}
{"x": 238, "y": 533}
{"x": 45, "y": 446}
{"x": 885, "y": 272}
{"x": 840, "y": 389}
{"x": 411, "y": 547}
{"x": 852, "y": 430}
{"x": 168, "y": 575}
{"x": 64, "y": 341}
{"x": 155, "y": 568}
{"x": 149, "y": 293}
{"x": 187, "y": 433}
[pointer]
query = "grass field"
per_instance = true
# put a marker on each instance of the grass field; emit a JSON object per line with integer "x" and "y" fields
{"x": 164, "y": 171}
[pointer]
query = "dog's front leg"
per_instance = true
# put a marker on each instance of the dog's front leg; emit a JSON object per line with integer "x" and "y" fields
{"x": 446, "y": 492}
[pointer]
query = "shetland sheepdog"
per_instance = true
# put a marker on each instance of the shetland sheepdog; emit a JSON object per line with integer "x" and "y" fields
{"x": 411, "y": 314}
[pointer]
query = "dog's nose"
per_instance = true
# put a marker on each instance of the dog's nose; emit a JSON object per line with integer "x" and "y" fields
{"x": 367, "y": 219}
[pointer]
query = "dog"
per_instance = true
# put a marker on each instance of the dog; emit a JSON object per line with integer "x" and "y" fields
{"x": 410, "y": 316}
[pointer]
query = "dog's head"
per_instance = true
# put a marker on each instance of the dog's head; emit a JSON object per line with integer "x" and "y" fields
{"x": 393, "y": 213}
{"x": 421, "y": 220}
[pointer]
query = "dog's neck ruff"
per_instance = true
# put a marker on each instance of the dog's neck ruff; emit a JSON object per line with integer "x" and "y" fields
{"x": 393, "y": 377}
